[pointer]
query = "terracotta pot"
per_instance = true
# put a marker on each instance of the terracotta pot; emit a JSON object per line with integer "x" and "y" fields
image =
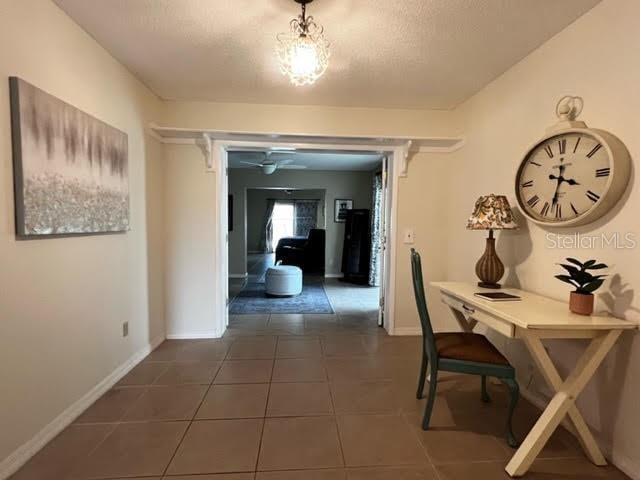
{"x": 581, "y": 303}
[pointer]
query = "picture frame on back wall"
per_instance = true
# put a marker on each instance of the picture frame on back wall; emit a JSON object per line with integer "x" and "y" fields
{"x": 340, "y": 209}
{"x": 71, "y": 174}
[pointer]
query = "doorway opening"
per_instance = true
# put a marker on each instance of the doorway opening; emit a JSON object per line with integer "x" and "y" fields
{"x": 217, "y": 146}
{"x": 325, "y": 215}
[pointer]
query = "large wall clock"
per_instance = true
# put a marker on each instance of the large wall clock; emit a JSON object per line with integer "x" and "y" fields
{"x": 575, "y": 174}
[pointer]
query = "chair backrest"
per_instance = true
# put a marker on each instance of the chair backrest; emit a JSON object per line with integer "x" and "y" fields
{"x": 421, "y": 303}
{"x": 316, "y": 237}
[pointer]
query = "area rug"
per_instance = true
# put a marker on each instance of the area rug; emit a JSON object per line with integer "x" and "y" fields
{"x": 253, "y": 299}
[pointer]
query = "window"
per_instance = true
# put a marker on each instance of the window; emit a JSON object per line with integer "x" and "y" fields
{"x": 282, "y": 221}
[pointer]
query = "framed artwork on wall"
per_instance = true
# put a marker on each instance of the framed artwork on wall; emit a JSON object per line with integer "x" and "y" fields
{"x": 340, "y": 209}
{"x": 70, "y": 169}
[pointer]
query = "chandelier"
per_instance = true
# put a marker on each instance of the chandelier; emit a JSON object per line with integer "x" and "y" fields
{"x": 303, "y": 51}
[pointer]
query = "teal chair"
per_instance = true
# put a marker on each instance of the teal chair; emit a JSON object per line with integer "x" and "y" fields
{"x": 460, "y": 352}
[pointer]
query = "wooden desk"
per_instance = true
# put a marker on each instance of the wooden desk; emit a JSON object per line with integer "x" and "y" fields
{"x": 533, "y": 319}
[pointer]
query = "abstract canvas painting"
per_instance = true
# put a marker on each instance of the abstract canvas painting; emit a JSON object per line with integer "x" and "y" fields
{"x": 70, "y": 169}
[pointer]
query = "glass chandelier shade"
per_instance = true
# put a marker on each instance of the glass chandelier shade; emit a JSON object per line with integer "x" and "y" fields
{"x": 303, "y": 51}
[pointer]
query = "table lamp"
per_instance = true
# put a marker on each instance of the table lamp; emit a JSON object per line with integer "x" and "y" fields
{"x": 492, "y": 212}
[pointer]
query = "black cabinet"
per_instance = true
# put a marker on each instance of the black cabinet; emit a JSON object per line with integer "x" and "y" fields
{"x": 356, "y": 249}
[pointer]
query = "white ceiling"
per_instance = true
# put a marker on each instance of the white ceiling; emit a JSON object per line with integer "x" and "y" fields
{"x": 385, "y": 53}
{"x": 311, "y": 160}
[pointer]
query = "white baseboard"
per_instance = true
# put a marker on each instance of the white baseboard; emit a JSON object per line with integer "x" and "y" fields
{"x": 192, "y": 336}
{"x": 334, "y": 275}
{"x": 406, "y": 331}
{"x": 19, "y": 457}
{"x": 238, "y": 275}
{"x": 628, "y": 466}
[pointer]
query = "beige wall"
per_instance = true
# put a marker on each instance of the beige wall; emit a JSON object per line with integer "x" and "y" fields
{"x": 189, "y": 239}
{"x": 596, "y": 58}
{"x": 423, "y": 201}
{"x": 422, "y": 192}
{"x": 367, "y": 122}
{"x": 354, "y": 185}
{"x": 427, "y": 171}
{"x": 63, "y": 301}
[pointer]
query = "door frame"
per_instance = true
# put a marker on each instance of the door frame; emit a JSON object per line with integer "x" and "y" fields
{"x": 383, "y": 254}
{"x": 217, "y": 163}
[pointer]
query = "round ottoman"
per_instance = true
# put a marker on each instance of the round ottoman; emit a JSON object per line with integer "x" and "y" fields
{"x": 283, "y": 281}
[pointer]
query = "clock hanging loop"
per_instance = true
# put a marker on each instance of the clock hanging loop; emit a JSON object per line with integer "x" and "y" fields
{"x": 568, "y": 109}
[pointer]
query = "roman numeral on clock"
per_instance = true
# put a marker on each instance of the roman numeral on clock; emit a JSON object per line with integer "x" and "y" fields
{"x": 574, "y": 209}
{"x": 545, "y": 209}
{"x": 528, "y": 183}
{"x": 562, "y": 146}
{"x": 594, "y": 197}
{"x": 603, "y": 172}
{"x": 558, "y": 210}
{"x": 594, "y": 150}
{"x": 547, "y": 148}
{"x": 532, "y": 202}
{"x": 535, "y": 163}
{"x": 577, "y": 143}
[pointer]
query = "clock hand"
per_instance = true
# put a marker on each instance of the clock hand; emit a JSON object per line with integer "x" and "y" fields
{"x": 559, "y": 178}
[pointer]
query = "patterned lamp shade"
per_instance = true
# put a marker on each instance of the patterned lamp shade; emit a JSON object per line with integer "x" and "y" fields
{"x": 492, "y": 212}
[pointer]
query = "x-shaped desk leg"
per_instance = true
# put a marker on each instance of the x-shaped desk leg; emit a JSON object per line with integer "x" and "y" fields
{"x": 467, "y": 324}
{"x": 563, "y": 401}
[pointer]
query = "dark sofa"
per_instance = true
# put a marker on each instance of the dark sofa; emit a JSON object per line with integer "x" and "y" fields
{"x": 306, "y": 253}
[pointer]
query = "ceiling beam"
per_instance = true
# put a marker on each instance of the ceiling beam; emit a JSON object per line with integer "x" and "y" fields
{"x": 207, "y": 140}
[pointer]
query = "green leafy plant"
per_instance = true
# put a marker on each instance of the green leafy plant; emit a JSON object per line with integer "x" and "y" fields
{"x": 579, "y": 277}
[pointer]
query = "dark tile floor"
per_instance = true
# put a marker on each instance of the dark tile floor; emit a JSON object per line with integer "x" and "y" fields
{"x": 299, "y": 397}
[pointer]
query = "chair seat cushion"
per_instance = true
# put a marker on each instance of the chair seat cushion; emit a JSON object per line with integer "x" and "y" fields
{"x": 471, "y": 347}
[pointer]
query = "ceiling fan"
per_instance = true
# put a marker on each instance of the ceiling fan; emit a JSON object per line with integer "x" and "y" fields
{"x": 268, "y": 165}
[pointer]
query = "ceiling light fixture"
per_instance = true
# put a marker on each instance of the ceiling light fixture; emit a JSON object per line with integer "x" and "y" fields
{"x": 303, "y": 51}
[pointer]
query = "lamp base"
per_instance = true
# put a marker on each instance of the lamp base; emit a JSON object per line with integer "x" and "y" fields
{"x": 489, "y": 268}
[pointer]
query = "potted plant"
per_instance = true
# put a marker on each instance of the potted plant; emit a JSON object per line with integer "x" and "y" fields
{"x": 581, "y": 300}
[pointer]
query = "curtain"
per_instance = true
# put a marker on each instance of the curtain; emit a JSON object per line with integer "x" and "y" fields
{"x": 306, "y": 216}
{"x": 266, "y": 235}
{"x": 376, "y": 217}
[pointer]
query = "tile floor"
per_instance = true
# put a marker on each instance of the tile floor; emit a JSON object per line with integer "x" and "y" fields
{"x": 297, "y": 397}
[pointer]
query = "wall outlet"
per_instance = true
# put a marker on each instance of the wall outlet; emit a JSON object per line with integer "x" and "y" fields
{"x": 409, "y": 238}
{"x": 125, "y": 329}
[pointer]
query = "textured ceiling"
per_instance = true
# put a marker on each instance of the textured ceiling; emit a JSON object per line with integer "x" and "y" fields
{"x": 385, "y": 53}
{"x": 311, "y": 160}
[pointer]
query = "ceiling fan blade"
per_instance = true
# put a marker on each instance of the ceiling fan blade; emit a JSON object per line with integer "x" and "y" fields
{"x": 292, "y": 167}
{"x": 282, "y": 149}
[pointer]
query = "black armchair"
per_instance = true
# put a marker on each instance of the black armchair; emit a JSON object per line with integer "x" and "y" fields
{"x": 306, "y": 253}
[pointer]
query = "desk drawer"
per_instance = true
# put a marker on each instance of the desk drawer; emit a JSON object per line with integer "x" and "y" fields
{"x": 486, "y": 318}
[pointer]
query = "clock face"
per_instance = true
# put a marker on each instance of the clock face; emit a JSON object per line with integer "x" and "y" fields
{"x": 564, "y": 177}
